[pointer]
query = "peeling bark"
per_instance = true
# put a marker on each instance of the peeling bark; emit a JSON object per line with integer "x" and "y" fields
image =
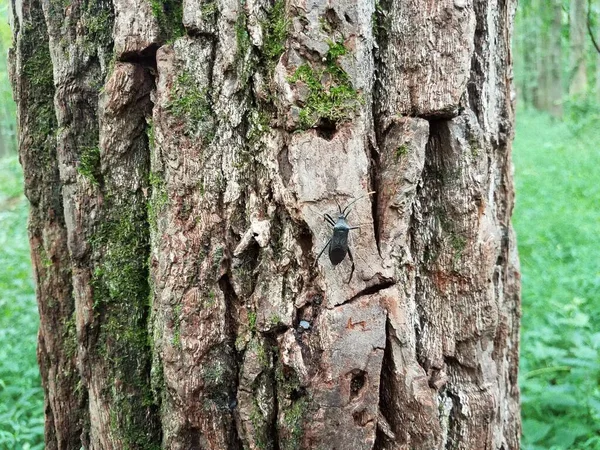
{"x": 190, "y": 152}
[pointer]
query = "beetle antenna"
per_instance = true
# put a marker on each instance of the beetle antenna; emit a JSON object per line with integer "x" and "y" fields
{"x": 338, "y": 205}
{"x": 355, "y": 200}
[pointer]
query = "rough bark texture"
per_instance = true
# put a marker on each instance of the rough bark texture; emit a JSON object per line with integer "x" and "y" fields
{"x": 179, "y": 158}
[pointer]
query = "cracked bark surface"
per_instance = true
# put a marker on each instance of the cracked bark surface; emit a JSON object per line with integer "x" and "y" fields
{"x": 179, "y": 158}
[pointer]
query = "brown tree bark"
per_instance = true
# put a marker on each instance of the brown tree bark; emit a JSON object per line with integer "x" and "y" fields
{"x": 179, "y": 158}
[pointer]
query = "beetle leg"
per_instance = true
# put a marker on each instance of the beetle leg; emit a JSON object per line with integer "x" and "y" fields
{"x": 329, "y": 219}
{"x": 352, "y": 270}
{"x": 354, "y": 228}
{"x": 321, "y": 252}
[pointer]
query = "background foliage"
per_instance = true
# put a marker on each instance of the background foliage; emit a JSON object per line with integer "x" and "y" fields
{"x": 557, "y": 219}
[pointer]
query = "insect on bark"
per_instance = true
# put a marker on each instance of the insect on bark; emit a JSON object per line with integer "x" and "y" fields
{"x": 338, "y": 243}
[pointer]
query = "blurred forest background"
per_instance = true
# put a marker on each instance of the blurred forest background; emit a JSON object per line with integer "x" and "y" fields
{"x": 557, "y": 218}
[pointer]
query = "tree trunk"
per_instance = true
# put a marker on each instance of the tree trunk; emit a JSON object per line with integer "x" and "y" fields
{"x": 179, "y": 159}
{"x": 554, "y": 68}
{"x": 578, "y": 34}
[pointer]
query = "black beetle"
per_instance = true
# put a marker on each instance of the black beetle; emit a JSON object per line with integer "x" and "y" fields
{"x": 338, "y": 243}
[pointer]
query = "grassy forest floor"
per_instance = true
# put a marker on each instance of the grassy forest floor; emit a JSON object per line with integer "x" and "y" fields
{"x": 557, "y": 219}
{"x": 21, "y": 398}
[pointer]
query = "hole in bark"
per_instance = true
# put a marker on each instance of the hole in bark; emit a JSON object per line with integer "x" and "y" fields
{"x": 374, "y": 172}
{"x": 304, "y": 238}
{"x": 285, "y": 167}
{"x": 297, "y": 393}
{"x": 388, "y": 395}
{"x": 348, "y": 18}
{"x": 332, "y": 19}
{"x": 326, "y": 129}
{"x": 145, "y": 57}
{"x": 361, "y": 418}
{"x": 357, "y": 382}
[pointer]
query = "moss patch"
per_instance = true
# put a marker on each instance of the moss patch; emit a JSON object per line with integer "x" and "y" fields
{"x": 293, "y": 406}
{"x": 39, "y": 82}
{"x": 401, "y": 151}
{"x": 169, "y": 15}
{"x": 97, "y": 20}
{"x": 252, "y": 321}
{"x": 120, "y": 289}
{"x": 158, "y": 200}
{"x": 89, "y": 164}
{"x": 241, "y": 32}
{"x": 276, "y": 32}
{"x": 123, "y": 244}
{"x": 192, "y": 105}
{"x": 331, "y": 97}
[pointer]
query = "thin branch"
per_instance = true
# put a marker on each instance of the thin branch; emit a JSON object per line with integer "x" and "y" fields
{"x": 589, "y": 26}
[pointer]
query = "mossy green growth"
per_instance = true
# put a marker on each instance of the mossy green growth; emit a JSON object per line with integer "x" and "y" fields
{"x": 458, "y": 244}
{"x": 39, "y": 79}
{"x": 89, "y": 164}
{"x": 98, "y": 25}
{"x": 252, "y": 321}
{"x": 192, "y": 104}
{"x": 219, "y": 375}
{"x": 120, "y": 247}
{"x": 276, "y": 32}
{"x": 245, "y": 59}
{"x": 474, "y": 145}
{"x": 293, "y": 405}
{"x": 158, "y": 200}
{"x": 169, "y": 14}
{"x": 401, "y": 151}
{"x": 331, "y": 97}
{"x": 274, "y": 320}
{"x": 209, "y": 10}
{"x": 262, "y": 440}
{"x": 241, "y": 32}
{"x": 293, "y": 419}
{"x": 150, "y": 134}
{"x": 70, "y": 336}
{"x": 217, "y": 258}
{"x": 121, "y": 243}
{"x": 97, "y": 20}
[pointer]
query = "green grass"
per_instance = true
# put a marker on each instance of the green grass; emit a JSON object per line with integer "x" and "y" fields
{"x": 557, "y": 218}
{"x": 21, "y": 399}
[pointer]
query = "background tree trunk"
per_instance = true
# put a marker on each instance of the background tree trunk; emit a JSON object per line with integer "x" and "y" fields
{"x": 179, "y": 159}
{"x": 555, "y": 79}
{"x": 578, "y": 35}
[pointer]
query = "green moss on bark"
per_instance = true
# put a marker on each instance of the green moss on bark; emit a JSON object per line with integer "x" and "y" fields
{"x": 169, "y": 15}
{"x": 276, "y": 32}
{"x": 158, "y": 199}
{"x": 293, "y": 406}
{"x": 120, "y": 292}
{"x": 192, "y": 105}
{"x": 331, "y": 97}
{"x": 39, "y": 83}
{"x": 89, "y": 164}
